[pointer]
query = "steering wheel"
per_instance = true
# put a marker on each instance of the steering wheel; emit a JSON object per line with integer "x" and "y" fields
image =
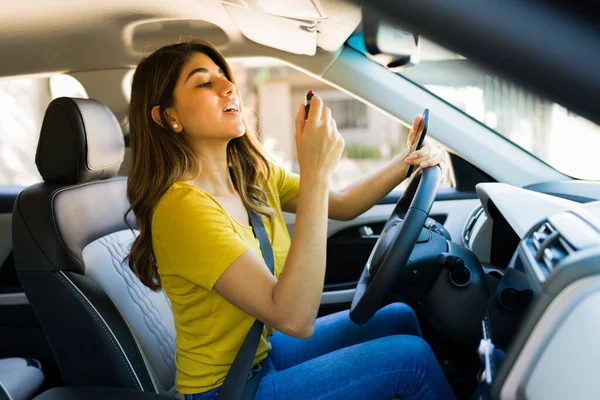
{"x": 387, "y": 262}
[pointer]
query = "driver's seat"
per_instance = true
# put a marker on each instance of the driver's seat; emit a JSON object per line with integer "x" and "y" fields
{"x": 104, "y": 327}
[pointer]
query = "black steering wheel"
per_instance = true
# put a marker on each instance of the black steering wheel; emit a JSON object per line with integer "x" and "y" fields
{"x": 387, "y": 262}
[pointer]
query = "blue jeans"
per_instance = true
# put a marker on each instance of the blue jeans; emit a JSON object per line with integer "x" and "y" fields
{"x": 385, "y": 358}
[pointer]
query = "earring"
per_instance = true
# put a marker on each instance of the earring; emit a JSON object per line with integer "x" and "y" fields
{"x": 175, "y": 126}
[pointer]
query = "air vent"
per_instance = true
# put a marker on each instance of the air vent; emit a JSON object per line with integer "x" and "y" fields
{"x": 554, "y": 253}
{"x": 542, "y": 234}
{"x": 550, "y": 246}
{"x": 470, "y": 224}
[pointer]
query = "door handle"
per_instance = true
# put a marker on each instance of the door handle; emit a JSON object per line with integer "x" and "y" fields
{"x": 366, "y": 232}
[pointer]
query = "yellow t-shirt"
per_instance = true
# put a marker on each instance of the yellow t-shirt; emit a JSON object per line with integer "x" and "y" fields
{"x": 194, "y": 241}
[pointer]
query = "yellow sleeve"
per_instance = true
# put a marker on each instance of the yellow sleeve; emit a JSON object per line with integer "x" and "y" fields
{"x": 288, "y": 183}
{"x": 195, "y": 239}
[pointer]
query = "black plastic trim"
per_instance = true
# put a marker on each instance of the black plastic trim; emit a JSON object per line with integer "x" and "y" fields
{"x": 564, "y": 48}
{"x": 443, "y": 194}
{"x": 575, "y": 190}
{"x": 332, "y": 287}
{"x": 97, "y": 393}
{"x": 8, "y": 195}
{"x": 3, "y": 394}
{"x": 9, "y": 282}
{"x": 467, "y": 175}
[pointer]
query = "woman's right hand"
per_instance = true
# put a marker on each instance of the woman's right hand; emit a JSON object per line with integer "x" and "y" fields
{"x": 319, "y": 145}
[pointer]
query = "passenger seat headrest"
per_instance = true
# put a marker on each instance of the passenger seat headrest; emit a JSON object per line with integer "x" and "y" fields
{"x": 80, "y": 140}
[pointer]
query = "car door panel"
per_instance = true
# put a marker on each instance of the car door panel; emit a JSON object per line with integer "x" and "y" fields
{"x": 9, "y": 284}
{"x": 20, "y": 330}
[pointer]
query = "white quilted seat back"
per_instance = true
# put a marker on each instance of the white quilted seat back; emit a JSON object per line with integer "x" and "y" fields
{"x": 147, "y": 313}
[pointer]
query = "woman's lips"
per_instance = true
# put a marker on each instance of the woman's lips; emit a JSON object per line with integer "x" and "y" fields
{"x": 231, "y": 106}
{"x": 232, "y": 113}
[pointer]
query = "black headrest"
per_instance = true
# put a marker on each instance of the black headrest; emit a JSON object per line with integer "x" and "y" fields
{"x": 80, "y": 141}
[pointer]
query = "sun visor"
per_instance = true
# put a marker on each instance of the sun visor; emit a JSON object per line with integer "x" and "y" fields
{"x": 343, "y": 18}
{"x": 149, "y": 35}
{"x": 274, "y": 31}
{"x": 297, "y": 26}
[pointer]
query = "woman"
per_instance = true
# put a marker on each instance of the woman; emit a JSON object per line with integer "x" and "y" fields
{"x": 196, "y": 169}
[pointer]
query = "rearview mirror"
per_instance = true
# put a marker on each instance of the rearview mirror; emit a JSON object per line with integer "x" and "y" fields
{"x": 389, "y": 45}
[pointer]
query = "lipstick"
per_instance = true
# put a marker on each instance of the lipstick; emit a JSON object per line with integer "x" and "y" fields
{"x": 309, "y": 96}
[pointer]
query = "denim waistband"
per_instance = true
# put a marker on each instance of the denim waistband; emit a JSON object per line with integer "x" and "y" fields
{"x": 212, "y": 394}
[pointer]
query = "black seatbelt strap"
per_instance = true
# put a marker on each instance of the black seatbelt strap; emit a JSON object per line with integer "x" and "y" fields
{"x": 236, "y": 378}
{"x": 261, "y": 234}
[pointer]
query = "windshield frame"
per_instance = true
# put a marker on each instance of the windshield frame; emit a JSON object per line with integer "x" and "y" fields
{"x": 356, "y": 42}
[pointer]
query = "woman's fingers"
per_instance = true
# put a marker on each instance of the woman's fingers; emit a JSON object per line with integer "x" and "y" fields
{"x": 426, "y": 157}
{"x": 334, "y": 130}
{"x": 321, "y": 145}
{"x": 316, "y": 109}
{"x": 415, "y": 131}
{"x": 436, "y": 159}
{"x": 300, "y": 120}
{"x": 420, "y": 155}
{"x": 326, "y": 116}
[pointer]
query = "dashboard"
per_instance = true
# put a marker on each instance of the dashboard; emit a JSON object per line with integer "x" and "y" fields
{"x": 545, "y": 311}
{"x": 503, "y": 218}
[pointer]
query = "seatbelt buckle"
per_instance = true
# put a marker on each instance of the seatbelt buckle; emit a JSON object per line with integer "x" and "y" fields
{"x": 254, "y": 370}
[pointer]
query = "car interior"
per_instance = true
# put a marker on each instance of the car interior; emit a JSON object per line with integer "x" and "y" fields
{"x": 498, "y": 252}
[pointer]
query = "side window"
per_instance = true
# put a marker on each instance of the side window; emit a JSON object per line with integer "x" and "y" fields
{"x": 23, "y": 102}
{"x": 272, "y": 91}
{"x": 22, "y": 105}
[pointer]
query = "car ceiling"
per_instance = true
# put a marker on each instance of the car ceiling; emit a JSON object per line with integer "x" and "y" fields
{"x": 42, "y": 37}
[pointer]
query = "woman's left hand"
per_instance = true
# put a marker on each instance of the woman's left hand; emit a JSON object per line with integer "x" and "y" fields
{"x": 429, "y": 155}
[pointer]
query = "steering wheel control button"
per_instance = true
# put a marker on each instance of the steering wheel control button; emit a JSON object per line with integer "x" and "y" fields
{"x": 424, "y": 236}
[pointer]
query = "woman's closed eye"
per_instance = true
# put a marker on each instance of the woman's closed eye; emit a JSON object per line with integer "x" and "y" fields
{"x": 204, "y": 85}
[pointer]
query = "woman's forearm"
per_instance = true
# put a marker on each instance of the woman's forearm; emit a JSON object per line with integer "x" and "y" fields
{"x": 362, "y": 194}
{"x": 298, "y": 292}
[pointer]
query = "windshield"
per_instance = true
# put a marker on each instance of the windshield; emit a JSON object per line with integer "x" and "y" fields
{"x": 547, "y": 130}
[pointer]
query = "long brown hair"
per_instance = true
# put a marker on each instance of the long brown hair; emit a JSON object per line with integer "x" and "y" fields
{"x": 160, "y": 158}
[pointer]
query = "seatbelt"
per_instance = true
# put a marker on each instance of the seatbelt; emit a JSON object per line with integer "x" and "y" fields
{"x": 236, "y": 378}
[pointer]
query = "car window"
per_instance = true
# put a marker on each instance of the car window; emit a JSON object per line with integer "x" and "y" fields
{"x": 545, "y": 129}
{"x": 22, "y": 105}
{"x": 23, "y": 102}
{"x": 552, "y": 133}
{"x": 541, "y": 127}
{"x": 272, "y": 92}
